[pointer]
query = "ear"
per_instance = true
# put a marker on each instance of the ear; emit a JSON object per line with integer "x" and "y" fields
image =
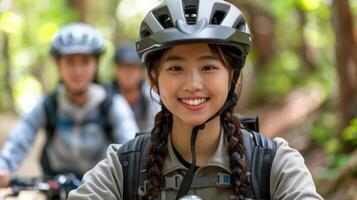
{"x": 152, "y": 85}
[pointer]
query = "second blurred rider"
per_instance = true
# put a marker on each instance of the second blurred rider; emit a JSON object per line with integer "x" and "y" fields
{"x": 80, "y": 119}
{"x": 130, "y": 83}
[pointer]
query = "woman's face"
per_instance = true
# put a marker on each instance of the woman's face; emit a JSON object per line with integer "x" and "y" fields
{"x": 193, "y": 83}
{"x": 129, "y": 76}
{"x": 77, "y": 71}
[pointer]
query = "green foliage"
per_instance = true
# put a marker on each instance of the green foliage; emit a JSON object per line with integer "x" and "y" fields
{"x": 274, "y": 83}
{"x": 350, "y": 132}
{"x": 334, "y": 164}
{"x": 287, "y": 69}
{"x": 324, "y": 132}
{"x": 308, "y": 5}
{"x": 323, "y": 129}
{"x": 29, "y": 27}
{"x": 130, "y": 21}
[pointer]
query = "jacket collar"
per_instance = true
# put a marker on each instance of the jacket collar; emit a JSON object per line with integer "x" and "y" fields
{"x": 219, "y": 159}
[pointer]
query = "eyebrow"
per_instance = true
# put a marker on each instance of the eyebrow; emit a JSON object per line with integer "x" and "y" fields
{"x": 179, "y": 58}
{"x": 209, "y": 57}
{"x": 173, "y": 58}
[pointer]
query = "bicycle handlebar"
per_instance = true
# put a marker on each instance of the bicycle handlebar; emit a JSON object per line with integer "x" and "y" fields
{"x": 55, "y": 188}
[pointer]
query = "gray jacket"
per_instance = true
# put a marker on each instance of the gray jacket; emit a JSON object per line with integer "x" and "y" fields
{"x": 77, "y": 147}
{"x": 147, "y": 108}
{"x": 290, "y": 179}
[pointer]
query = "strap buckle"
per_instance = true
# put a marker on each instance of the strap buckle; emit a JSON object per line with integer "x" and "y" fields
{"x": 143, "y": 188}
{"x": 223, "y": 180}
{"x": 173, "y": 182}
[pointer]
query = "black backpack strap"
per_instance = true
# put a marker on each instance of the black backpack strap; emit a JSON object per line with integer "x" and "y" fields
{"x": 133, "y": 158}
{"x": 50, "y": 107}
{"x": 250, "y": 122}
{"x": 260, "y": 151}
{"x": 104, "y": 109}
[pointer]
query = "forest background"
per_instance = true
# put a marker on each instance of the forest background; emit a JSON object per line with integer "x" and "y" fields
{"x": 300, "y": 77}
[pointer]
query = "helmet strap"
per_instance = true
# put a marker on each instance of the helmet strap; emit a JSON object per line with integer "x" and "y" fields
{"x": 187, "y": 180}
{"x": 232, "y": 100}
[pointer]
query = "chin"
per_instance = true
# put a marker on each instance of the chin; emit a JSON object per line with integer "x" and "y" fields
{"x": 77, "y": 90}
{"x": 194, "y": 122}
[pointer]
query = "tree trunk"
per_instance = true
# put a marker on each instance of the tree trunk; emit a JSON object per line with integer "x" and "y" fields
{"x": 346, "y": 61}
{"x": 307, "y": 52}
{"x": 262, "y": 29}
{"x": 7, "y": 71}
{"x": 81, "y": 7}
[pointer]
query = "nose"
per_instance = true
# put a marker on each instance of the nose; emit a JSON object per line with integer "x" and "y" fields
{"x": 193, "y": 81}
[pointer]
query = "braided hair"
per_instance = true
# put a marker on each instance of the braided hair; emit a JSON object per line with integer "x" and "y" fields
{"x": 163, "y": 124}
{"x": 239, "y": 179}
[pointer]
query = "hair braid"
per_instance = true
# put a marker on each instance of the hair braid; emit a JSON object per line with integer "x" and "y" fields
{"x": 158, "y": 151}
{"x": 240, "y": 180}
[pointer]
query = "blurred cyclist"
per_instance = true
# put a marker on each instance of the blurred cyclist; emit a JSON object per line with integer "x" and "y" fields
{"x": 131, "y": 84}
{"x": 80, "y": 118}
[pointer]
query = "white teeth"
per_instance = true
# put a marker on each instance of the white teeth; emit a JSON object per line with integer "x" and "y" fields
{"x": 194, "y": 102}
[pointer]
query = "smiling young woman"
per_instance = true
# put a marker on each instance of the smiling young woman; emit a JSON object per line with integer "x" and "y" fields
{"x": 194, "y": 52}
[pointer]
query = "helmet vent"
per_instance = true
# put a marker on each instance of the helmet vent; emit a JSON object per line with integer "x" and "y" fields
{"x": 219, "y": 13}
{"x": 84, "y": 39}
{"x": 165, "y": 21}
{"x": 240, "y": 24}
{"x": 144, "y": 30}
{"x": 163, "y": 16}
{"x": 69, "y": 39}
{"x": 190, "y": 9}
{"x": 191, "y": 14}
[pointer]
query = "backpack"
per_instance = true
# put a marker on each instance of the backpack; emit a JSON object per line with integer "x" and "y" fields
{"x": 260, "y": 152}
{"x": 50, "y": 106}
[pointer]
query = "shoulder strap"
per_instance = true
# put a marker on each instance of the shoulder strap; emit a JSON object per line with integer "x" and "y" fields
{"x": 50, "y": 105}
{"x": 104, "y": 109}
{"x": 249, "y": 122}
{"x": 111, "y": 87}
{"x": 260, "y": 151}
{"x": 133, "y": 158}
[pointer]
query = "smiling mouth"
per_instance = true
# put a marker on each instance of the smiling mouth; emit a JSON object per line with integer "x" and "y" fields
{"x": 194, "y": 102}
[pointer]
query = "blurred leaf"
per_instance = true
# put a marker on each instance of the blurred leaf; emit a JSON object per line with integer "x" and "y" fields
{"x": 27, "y": 92}
{"x": 308, "y": 5}
{"x": 46, "y": 32}
{"x": 333, "y": 145}
{"x": 11, "y": 22}
{"x": 323, "y": 129}
{"x": 350, "y": 132}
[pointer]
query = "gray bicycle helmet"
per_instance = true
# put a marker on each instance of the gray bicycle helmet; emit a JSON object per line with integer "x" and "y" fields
{"x": 126, "y": 53}
{"x": 77, "y": 38}
{"x": 186, "y": 21}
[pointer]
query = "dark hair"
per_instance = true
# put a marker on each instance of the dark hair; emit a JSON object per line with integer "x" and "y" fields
{"x": 163, "y": 124}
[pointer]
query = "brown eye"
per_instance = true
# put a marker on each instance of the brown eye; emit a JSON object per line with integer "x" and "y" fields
{"x": 209, "y": 68}
{"x": 175, "y": 68}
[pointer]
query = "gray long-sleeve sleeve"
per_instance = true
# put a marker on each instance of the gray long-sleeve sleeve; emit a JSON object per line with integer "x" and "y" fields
{"x": 289, "y": 177}
{"x": 21, "y": 138}
{"x": 104, "y": 181}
